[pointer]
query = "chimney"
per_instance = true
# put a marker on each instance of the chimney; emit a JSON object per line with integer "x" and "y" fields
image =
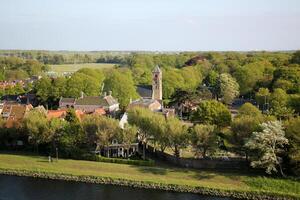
{"x": 109, "y": 93}
{"x": 81, "y": 94}
{"x": 104, "y": 94}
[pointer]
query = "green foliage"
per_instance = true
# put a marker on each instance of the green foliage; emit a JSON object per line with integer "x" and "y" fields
{"x": 121, "y": 83}
{"x": 101, "y": 130}
{"x": 248, "y": 109}
{"x": 80, "y": 82}
{"x": 269, "y": 143}
{"x": 170, "y": 132}
{"x": 95, "y": 73}
{"x": 291, "y": 75}
{"x": 35, "y": 124}
{"x": 252, "y": 74}
{"x": 212, "y": 112}
{"x": 242, "y": 128}
{"x": 293, "y": 134}
{"x": 262, "y": 97}
{"x": 294, "y": 102}
{"x": 279, "y": 104}
{"x": 296, "y": 58}
{"x": 228, "y": 88}
{"x": 204, "y": 139}
{"x": 177, "y": 134}
{"x": 14, "y": 68}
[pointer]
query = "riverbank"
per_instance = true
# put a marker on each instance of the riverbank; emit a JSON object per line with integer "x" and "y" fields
{"x": 170, "y": 179}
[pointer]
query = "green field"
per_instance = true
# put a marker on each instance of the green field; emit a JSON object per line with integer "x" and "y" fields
{"x": 75, "y": 67}
{"x": 162, "y": 175}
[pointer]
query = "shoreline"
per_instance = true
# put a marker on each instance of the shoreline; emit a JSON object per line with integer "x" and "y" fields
{"x": 254, "y": 195}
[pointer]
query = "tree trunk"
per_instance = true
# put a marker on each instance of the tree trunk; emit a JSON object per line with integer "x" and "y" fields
{"x": 204, "y": 153}
{"x": 176, "y": 152}
{"x": 144, "y": 151}
{"x": 281, "y": 171}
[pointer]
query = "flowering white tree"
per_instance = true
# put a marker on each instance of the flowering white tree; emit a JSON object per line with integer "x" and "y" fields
{"x": 269, "y": 143}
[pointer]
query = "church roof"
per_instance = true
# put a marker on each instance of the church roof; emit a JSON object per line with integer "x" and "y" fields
{"x": 145, "y": 91}
{"x": 156, "y": 69}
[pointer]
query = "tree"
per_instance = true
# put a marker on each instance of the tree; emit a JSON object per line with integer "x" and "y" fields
{"x": 122, "y": 86}
{"x": 241, "y": 130}
{"x": 293, "y": 134}
{"x": 279, "y": 104}
{"x": 128, "y": 136}
{"x": 101, "y": 130}
{"x": 35, "y": 124}
{"x": 254, "y": 74}
{"x": 228, "y": 88}
{"x": 212, "y": 112}
{"x": 286, "y": 85}
{"x": 211, "y": 82}
{"x": 43, "y": 89}
{"x": 141, "y": 118}
{"x": 56, "y": 128}
{"x": 269, "y": 143}
{"x": 296, "y": 58}
{"x": 59, "y": 88}
{"x": 248, "y": 109}
{"x": 262, "y": 98}
{"x": 204, "y": 139}
{"x": 80, "y": 82}
{"x": 177, "y": 134}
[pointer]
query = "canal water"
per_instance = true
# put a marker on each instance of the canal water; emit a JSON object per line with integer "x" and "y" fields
{"x": 25, "y": 188}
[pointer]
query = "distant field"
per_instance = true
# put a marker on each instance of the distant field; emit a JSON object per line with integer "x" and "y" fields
{"x": 76, "y": 67}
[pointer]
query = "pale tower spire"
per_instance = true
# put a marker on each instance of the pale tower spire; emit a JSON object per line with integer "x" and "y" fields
{"x": 157, "y": 83}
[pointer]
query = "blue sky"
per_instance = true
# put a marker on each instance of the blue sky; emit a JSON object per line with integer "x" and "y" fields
{"x": 159, "y": 25}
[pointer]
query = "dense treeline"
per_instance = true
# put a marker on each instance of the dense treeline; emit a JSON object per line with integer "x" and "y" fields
{"x": 74, "y": 137}
{"x": 14, "y": 68}
{"x": 68, "y": 57}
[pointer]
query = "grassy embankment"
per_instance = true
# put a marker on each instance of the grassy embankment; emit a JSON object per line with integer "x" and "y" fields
{"x": 75, "y": 67}
{"x": 176, "y": 179}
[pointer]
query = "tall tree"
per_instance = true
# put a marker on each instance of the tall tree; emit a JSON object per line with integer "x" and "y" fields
{"x": 212, "y": 112}
{"x": 204, "y": 139}
{"x": 269, "y": 143}
{"x": 177, "y": 134}
{"x": 228, "y": 88}
{"x": 122, "y": 86}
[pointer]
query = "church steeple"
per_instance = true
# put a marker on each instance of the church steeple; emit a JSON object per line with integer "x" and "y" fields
{"x": 157, "y": 83}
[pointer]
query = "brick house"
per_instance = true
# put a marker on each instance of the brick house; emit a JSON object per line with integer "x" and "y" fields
{"x": 91, "y": 104}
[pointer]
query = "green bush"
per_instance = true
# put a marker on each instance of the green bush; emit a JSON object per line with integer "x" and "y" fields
{"x": 125, "y": 161}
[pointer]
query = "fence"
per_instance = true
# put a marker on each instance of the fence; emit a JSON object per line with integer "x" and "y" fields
{"x": 201, "y": 163}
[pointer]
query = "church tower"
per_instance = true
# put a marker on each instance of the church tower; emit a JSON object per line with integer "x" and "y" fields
{"x": 157, "y": 84}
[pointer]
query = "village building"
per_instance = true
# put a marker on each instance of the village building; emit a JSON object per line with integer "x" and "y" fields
{"x": 151, "y": 96}
{"x": 117, "y": 150}
{"x": 14, "y": 113}
{"x": 20, "y": 99}
{"x": 91, "y": 104}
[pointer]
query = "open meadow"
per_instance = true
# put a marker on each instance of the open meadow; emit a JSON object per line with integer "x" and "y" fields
{"x": 69, "y": 68}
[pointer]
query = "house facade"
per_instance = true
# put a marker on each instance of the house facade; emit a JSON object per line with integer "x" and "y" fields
{"x": 91, "y": 104}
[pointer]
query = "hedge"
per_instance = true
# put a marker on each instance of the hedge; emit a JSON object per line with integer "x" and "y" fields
{"x": 251, "y": 195}
{"x": 126, "y": 161}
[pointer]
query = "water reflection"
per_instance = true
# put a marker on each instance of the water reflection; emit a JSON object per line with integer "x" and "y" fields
{"x": 24, "y": 188}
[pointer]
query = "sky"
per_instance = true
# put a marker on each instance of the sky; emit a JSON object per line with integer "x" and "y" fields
{"x": 150, "y": 25}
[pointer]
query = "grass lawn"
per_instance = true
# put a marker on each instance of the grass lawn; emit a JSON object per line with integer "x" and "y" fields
{"x": 218, "y": 180}
{"x": 75, "y": 67}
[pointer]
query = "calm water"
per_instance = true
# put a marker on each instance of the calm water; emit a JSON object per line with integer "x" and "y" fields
{"x": 24, "y": 188}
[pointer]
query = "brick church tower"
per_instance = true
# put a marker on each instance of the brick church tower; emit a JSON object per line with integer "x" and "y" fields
{"x": 157, "y": 84}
